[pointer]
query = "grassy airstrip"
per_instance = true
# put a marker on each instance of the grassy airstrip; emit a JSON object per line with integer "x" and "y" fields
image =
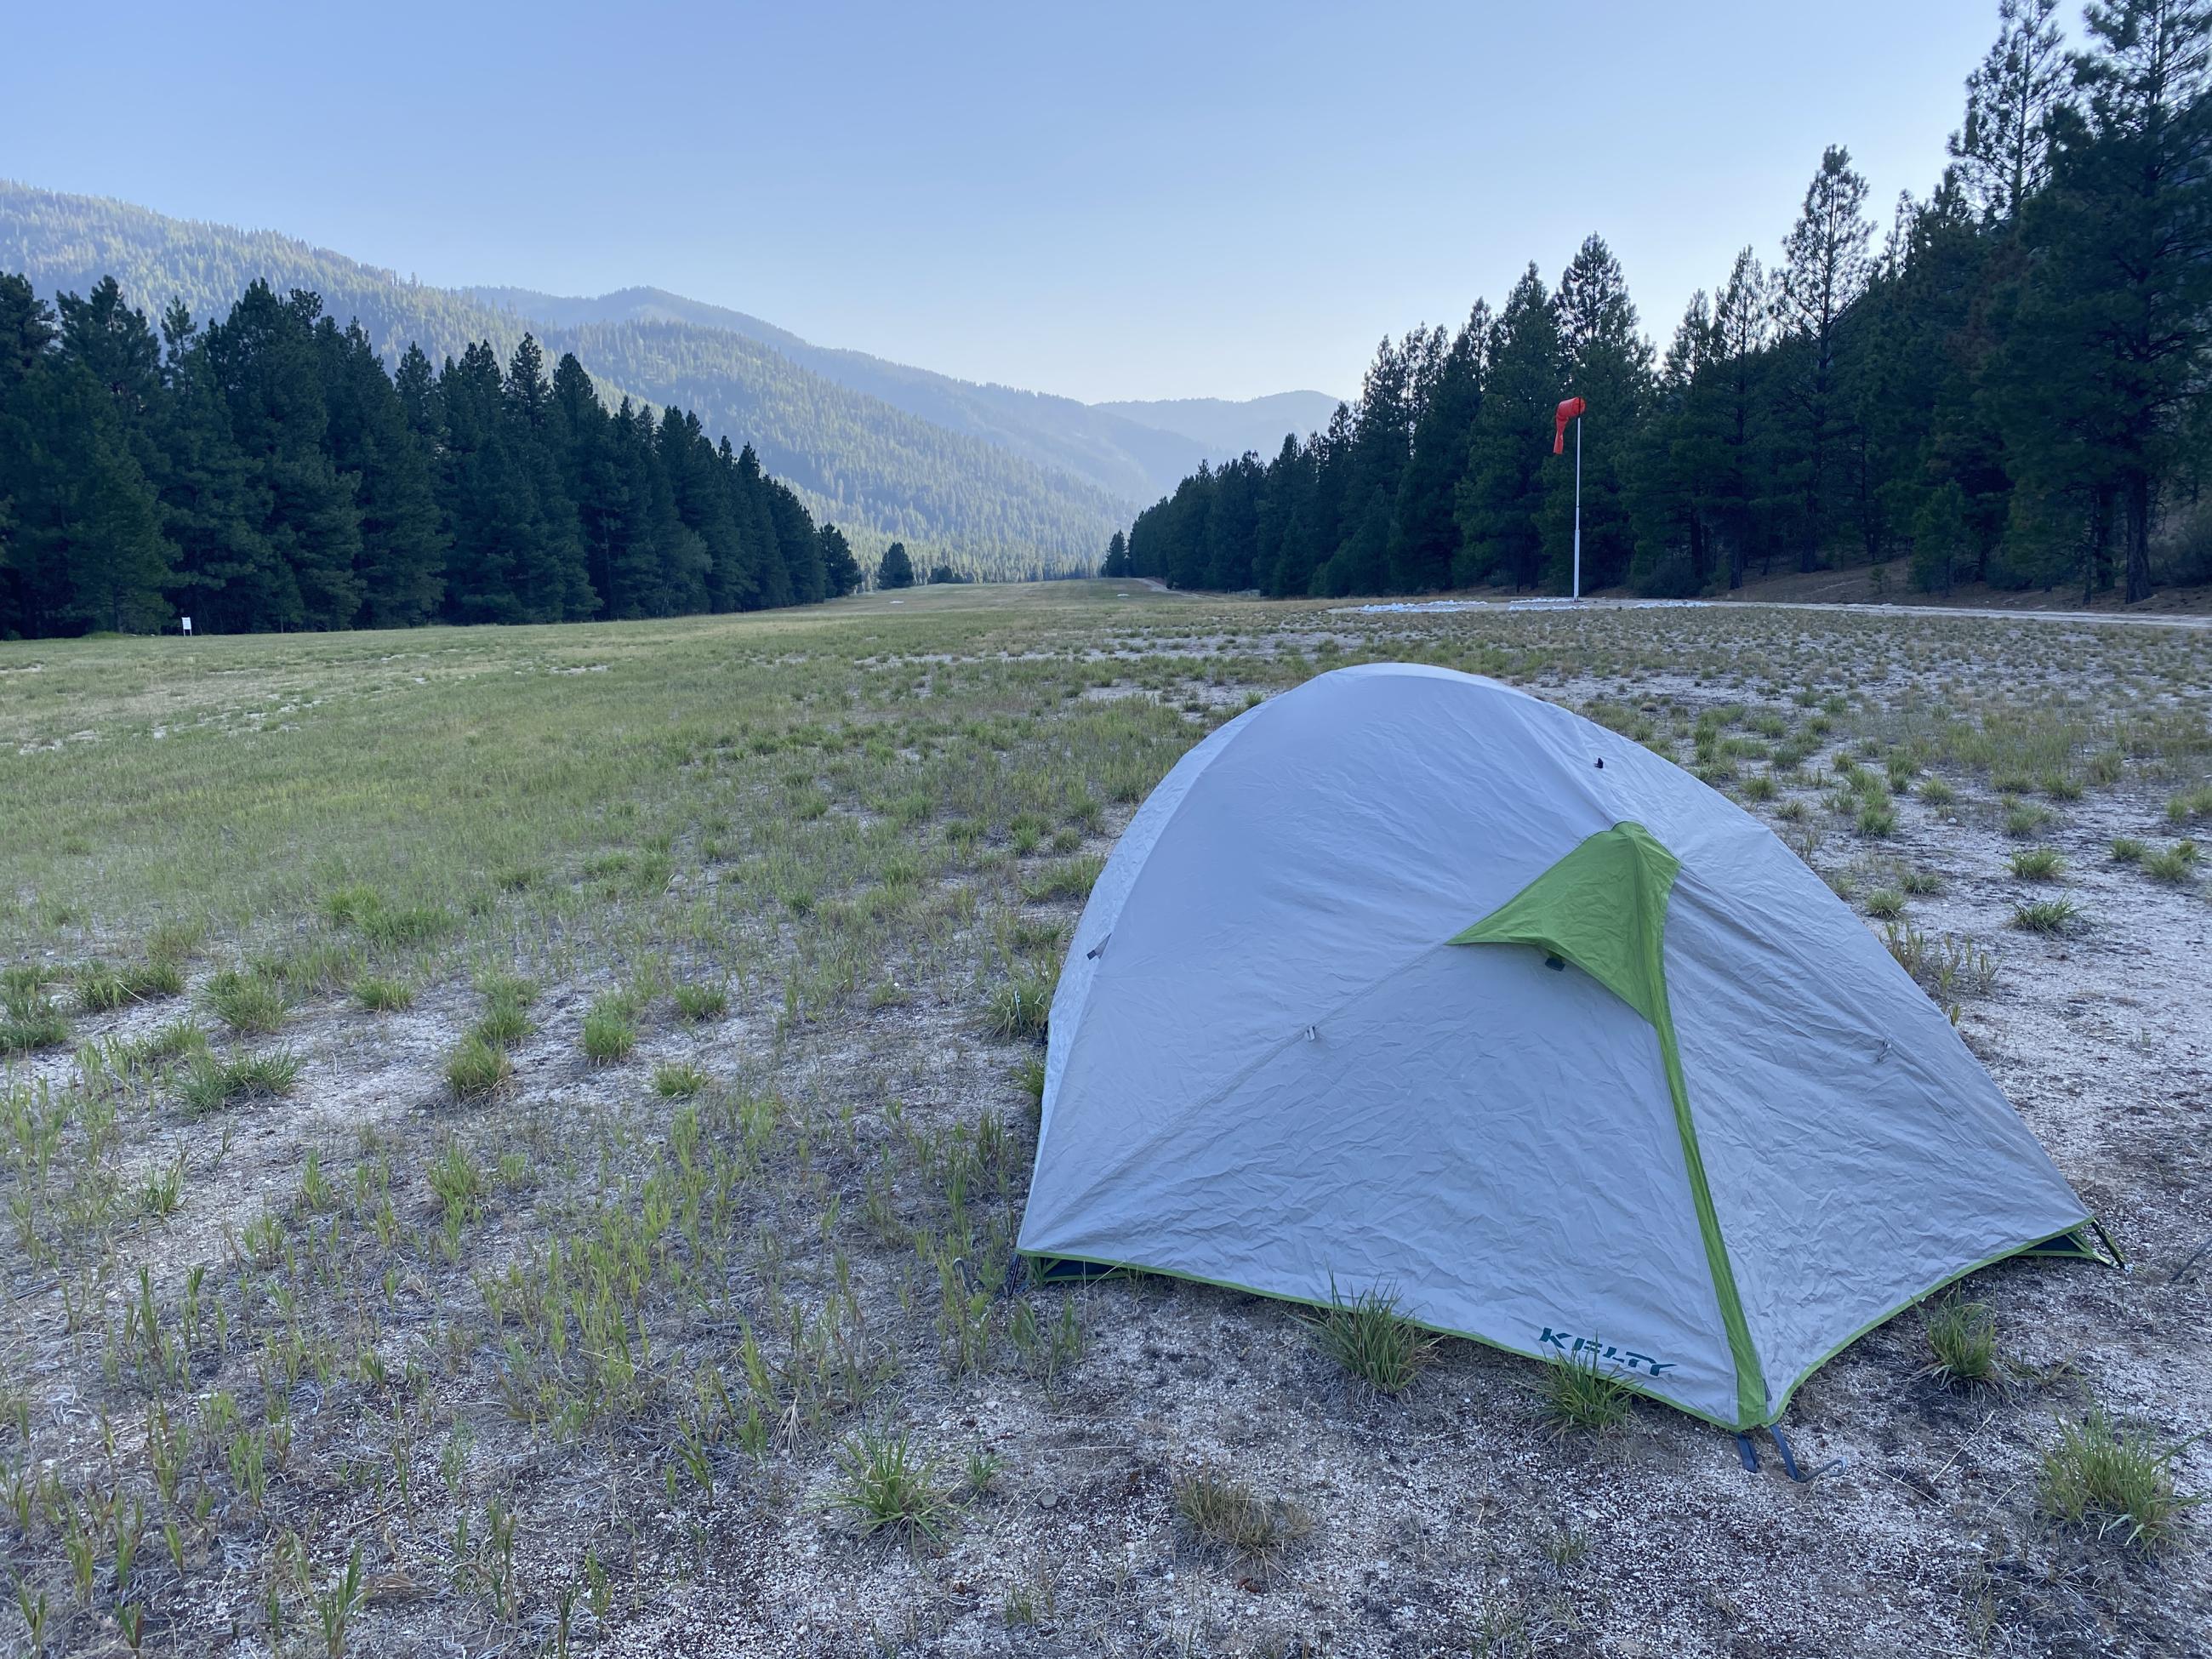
{"x": 514, "y": 1139}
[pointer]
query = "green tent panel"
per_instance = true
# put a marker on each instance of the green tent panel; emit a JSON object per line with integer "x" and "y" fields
{"x": 1676, "y": 1112}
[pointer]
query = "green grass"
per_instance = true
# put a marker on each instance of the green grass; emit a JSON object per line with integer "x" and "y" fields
{"x": 1229, "y": 1515}
{"x": 2037, "y": 864}
{"x": 504, "y": 1022}
{"x": 854, "y": 831}
{"x": 1962, "y": 1336}
{"x": 2113, "y": 1482}
{"x": 1371, "y": 1339}
{"x": 1019, "y": 1009}
{"x": 380, "y": 995}
{"x": 32, "y": 1022}
{"x": 170, "y": 1042}
{"x": 1029, "y": 1078}
{"x": 2048, "y": 917}
{"x": 174, "y": 942}
{"x": 697, "y": 1003}
{"x": 1885, "y": 904}
{"x": 609, "y": 1030}
{"x": 2126, "y": 849}
{"x": 1581, "y": 1396}
{"x": 1072, "y": 878}
{"x": 677, "y": 1082}
{"x": 391, "y": 926}
{"x": 101, "y": 988}
{"x": 477, "y": 1068}
{"x": 248, "y": 1004}
{"x": 2175, "y": 865}
{"x": 884, "y": 1486}
{"x": 211, "y": 1082}
{"x": 2190, "y": 805}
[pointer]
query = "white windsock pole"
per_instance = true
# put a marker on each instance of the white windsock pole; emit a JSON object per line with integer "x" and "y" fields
{"x": 1578, "y": 507}
{"x": 1571, "y": 409}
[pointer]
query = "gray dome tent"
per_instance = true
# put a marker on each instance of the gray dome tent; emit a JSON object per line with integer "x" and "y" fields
{"x": 1406, "y": 980}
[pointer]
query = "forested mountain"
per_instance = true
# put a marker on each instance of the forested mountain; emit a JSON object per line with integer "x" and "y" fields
{"x": 2010, "y": 384}
{"x": 262, "y": 471}
{"x": 1129, "y": 459}
{"x": 1226, "y": 430}
{"x": 958, "y": 493}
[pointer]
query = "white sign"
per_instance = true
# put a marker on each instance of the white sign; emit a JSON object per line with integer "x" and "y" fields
{"x": 188, "y": 624}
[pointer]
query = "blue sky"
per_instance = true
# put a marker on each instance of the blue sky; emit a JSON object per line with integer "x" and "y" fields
{"x": 1123, "y": 201}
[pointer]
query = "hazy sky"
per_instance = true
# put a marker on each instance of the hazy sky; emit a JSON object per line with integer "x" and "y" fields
{"x": 1119, "y": 201}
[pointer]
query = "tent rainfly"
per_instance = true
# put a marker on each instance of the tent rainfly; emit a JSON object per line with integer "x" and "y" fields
{"x": 1408, "y": 980}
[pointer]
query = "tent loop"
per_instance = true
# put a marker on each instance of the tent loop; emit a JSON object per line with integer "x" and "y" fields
{"x": 1747, "y": 1453}
{"x": 1790, "y": 1462}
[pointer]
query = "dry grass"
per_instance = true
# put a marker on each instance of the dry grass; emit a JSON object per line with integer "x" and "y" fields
{"x": 661, "y": 1003}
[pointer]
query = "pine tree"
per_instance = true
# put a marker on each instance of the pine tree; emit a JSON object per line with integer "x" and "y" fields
{"x": 1424, "y": 536}
{"x": 216, "y": 505}
{"x": 1608, "y": 364}
{"x": 897, "y": 569}
{"x": 269, "y": 373}
{"x": 2004, "y": 150}
{"x": 1826, "y": 267}
{"x": 841, "y": 569}
{"x": 1497, "y": 502}
{"x": 2113, "y": 335}
{"x": 403, "y": 540}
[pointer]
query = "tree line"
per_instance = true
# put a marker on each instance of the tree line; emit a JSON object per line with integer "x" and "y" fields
{"x": 2009, "y": 386}
{"x": 887, "y": 452}
{"x": 265, "y": 471}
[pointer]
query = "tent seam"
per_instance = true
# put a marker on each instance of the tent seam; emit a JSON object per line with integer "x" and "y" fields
{"x": 1651, "y": 963}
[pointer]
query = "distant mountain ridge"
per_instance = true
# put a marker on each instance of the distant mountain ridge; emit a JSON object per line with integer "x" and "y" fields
{"x": 1136, "y": 459}
{"x": 1001, "y": 481}
{"x": 1227, "y": 429}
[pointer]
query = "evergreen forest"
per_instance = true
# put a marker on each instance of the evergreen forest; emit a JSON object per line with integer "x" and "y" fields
{"x": 2005, "y": 384}
{"x": 264, "y": 471}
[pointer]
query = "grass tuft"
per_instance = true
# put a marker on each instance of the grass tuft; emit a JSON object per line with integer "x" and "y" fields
{"x": 1963, "y": 1337}
{"x": 1230, "y": 1516}
{"x": 211, "y": 1082}
{"x": 477, "y": 1067}
{"x": 31, "y": 1021}
{"x": 2037, "y": 864}
{"x": 1369, "y": 1338}
{"x": 2048, "y": 917}
{"x": 248, "y": 1004}
{"x": 677, "y": 1082}
{"x": 414, "y": 924}
{"x": 2113, "y": 1480}
{"x": 701, "y": 1002}
{"x": 2174, "y": 866}
{"x": 1581, "y": 1397}
{"x": 383, "y": 996}
{"x": 1019, "y": 1009}
{"x": 610, "y": 1031}
{"x": 175, "y": 943}
{"x": 887, "y": 1487}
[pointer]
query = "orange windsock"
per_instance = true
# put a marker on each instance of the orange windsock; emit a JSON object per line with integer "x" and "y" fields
{"x": 1570, "y": 411}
